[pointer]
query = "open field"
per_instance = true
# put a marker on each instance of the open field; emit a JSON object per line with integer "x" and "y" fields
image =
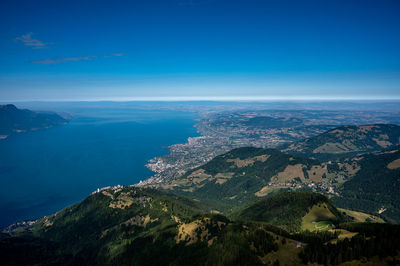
{"x": 362, "y": 217}
{"x": 318, "y": 218}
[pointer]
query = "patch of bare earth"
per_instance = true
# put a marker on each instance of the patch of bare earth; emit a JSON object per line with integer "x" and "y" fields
{"x": 266, "y": 190}
{"x": 168, "y": 186}
{"x": 140, "y": 220}
{"x": 137, "y": 220}
{"x": 164, "y": 207}
{"x": 223, "y": 177}
{"x": 124, "y": 200}
{"x": 198, "y": 176}
{"x": 196, "y": 231}
{"x": 352, "y": 168}
{"x": 331, "y": 148}
{"x": 250, "y": 161}
{"x": 47, "y": 222}
{"x": 337, "y": 132}
{"x": 366, "y": 129}
{"x": 262, "y": 192}
{"x": 290, "y": 172}
{"x": 121, "y": 202}
{"x": 394, "y": 165}
{"x": 383, "y": 142}
{"x": 108, "y": 194}
{"x": 199, "y": 173}
{"x": 317, "y": 172}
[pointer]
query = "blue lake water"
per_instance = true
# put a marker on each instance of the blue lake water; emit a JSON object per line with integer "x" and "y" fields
{"x": 44, "y": 171}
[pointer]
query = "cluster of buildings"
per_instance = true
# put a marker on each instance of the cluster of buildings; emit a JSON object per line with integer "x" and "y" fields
{"x": 116, "y": 188}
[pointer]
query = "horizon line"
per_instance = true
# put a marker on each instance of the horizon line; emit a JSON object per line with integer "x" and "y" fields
{"x": 213, "y": 99}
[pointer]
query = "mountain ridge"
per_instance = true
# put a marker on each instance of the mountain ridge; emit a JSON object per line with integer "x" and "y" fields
{"x": 14, "y": 120}
{"x": 347, "y": 141}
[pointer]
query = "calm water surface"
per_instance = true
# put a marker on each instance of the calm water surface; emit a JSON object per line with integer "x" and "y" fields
{"x": 42, "y": 172}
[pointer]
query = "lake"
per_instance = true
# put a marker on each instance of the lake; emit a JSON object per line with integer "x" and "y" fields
{"x": 44, "y": 171}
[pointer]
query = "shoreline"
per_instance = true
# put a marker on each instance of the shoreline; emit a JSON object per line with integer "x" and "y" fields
{"x": 165, "y": 165}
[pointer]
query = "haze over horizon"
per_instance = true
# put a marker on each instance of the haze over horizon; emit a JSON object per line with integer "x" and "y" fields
{"x": 199, "y": 50}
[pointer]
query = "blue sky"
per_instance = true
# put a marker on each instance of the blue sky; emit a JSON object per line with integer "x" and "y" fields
{"x": 199, "y": 49}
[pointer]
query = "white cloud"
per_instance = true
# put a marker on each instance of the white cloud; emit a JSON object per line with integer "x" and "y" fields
{"x": 52, "y": 61}
{"x": 27, "y": 40}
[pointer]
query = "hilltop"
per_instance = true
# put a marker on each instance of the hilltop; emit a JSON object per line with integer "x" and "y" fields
{"x": 347, "y": 141}
{"x": 294, "y": 211}
{"x": 14, "y": 120}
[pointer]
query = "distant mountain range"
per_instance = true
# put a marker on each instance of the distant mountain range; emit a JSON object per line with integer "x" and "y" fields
{"x": 250, "y": 206}
{"x": 14, "y": 120}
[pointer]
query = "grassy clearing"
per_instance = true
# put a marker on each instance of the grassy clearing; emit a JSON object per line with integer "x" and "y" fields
{"x": 291, "y": 172}
{"x": 267, "y": 190}
{"x": 362, "y": 217}
{"x": 394, "y": 164}
{"x": 318, "y": 218}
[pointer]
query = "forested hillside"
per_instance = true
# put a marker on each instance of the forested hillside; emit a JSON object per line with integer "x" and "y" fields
{"x": 132, "y": 226}
{"x": 376, "y": 187}
{"x": 288, "y": 210}
{"x": 240, "y": 175}
{"x": 347, "y": 141}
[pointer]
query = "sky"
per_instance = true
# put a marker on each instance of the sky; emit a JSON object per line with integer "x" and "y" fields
{"x": 199, "y": 49}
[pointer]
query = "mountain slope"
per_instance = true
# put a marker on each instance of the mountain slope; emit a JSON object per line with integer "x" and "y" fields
{"x": 105, "y": 227}
{"x": 245, "y": 174}
{"x": 14, "y": 120}
{"x": 375, "y": 188}
{"x": 366, "y": 183}
{"x": 347, "y": 141}
{"x": 234, "y": 177}
{"x": 132, "y": 226}
{"x": 293, "y": 211}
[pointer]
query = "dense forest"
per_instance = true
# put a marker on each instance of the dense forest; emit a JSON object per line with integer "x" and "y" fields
{"x": 372, "y": 240}
{"x": 374, "y": 187}
{"x": 287, "y": 209}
